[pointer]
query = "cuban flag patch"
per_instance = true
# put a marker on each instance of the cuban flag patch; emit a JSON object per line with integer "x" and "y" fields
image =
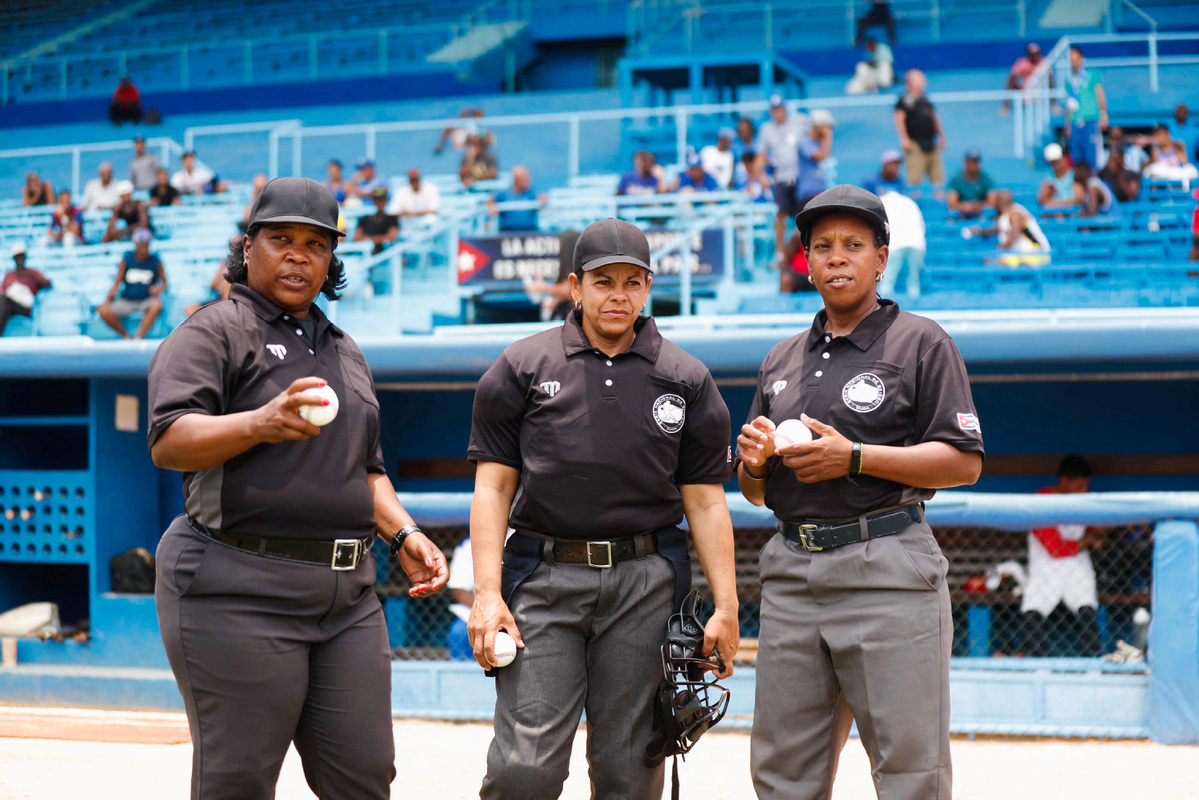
{"x": 729, "y": 460}
{"x": 968, "y": 422}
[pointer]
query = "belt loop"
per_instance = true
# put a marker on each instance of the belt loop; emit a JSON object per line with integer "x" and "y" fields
{"x": 864, "y": 527}
{"x": 547, "y": 552}
{"x": 639, "y": 545}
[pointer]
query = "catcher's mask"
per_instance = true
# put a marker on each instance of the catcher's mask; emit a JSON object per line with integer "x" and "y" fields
{"x": 689, "y": 701}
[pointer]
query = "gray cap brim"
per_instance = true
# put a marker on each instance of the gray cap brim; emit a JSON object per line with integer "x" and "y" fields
{"x": 604, "y": 261}
{"x": 301, "y": 220}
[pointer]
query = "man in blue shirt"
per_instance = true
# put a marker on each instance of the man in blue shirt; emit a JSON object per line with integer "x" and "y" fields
{"x": 694, "y": 179}
{"x": 887, "y": 179}
{"x": 645, "y": 177}
{"x": 516, "y": 219}
{"x": 813, "y": 150}
{"x": 1183, "y": 129}
{"x": 141, "y": 279}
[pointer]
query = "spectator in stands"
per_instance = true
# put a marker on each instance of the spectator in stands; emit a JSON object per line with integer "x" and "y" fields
{"x": 972, "y": 189}
{"x": 1124, "y": 182}
{"x": 752, "y": 179}
{"x": 479, "y": 162}
{"x": 140, "y": 280}
{"x": 36, "y": 192}
{"x": 778, "y": 148}
{"x": 814, "y": 149}
{"x": 101, "y": 192}
{"x": 256, "y": 188}
{"x": 1184, "y": 129}
{"x": 921, "y": 137}
{"x": 646, "y": 177}
{"x": 1086, "y": 109}
{"x": 1021, "y": 70}
{"x": 1059, "y": 190}
{"x": 143, "y": 166}
{"x": 163, "y": 193}
{"x": 746, "y": 140}
{"x": 66, "y": 223}
{"x": 875, "y": 71}
{"x": 419, "y": 200}
{"x": 796, "y": 274}
{"x": 18, "y": 288}
{"x": 694, "y": 178}
{"x": 718, "y": 159}
{"x": 1060, "y": 571}
{"x": 128, "y": 215}
{"x": 1168, "y": 158}
{"x": 459, "y": 136}
{"x": 1195, "y": 229}
{"x": 462, "y": 596}
{"x": 555, "y": 297}
{"x": 126, "y": 103}
{"x": 1097, "y": 196}
{"x": 521, "y": 191}
{"x": 381, "y": 228}
{"x": 334, "y": 181}
{"x": 1132, "y": 149}
{"x": 192, "y": 177}
{"x": 887, "y": 179}
{"x": 220, "y": 284}
{"x": 879, "y": 14}
{"x": 1021, "y": 240}
{"x": 364, "y": 182}
{"x": 907, "y": 246}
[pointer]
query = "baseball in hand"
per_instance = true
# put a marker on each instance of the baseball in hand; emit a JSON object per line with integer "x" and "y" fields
{"x": 313, "y": 409}
{"x": 791, "y": 431}
{"x": 505, "y": 649}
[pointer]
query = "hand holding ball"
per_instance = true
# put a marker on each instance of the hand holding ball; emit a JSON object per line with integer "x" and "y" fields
{"x": 314, "y": 410}
{"x": 791, "y": 431}
{"x": 505, "y": 649}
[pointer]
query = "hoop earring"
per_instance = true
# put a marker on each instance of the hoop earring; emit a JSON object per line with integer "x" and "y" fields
{"x": 578, "y": 306}
{"x": 811, "y": 280}
{"x": 878, "y": 278}
{"x": 643, "y": 307}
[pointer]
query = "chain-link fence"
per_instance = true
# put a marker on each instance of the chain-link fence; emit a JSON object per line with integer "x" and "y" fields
{"x": 1065, "y": 591}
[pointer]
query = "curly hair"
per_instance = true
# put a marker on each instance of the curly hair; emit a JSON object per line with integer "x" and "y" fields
{"x": 237, "y": 272}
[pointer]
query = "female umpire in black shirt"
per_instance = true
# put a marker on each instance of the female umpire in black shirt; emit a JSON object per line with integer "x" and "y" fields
{"x": 264, "y": 586}
{"x": 592, "y": 441}
{"x": 855, "y": 611}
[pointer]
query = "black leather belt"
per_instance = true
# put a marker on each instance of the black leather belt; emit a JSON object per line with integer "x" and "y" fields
{"x": 817, "y": 535}
{"x": 340, "y": 554}
{"x": 599, "y": 554}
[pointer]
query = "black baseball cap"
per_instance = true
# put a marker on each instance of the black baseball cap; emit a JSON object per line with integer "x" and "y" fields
{"x": 611, "y": 241}
{"x": 300, "y": 200}
{"x": 848, "y": 199}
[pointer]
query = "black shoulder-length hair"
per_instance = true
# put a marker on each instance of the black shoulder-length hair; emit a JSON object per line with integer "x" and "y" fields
{"x": 236, "y": 271}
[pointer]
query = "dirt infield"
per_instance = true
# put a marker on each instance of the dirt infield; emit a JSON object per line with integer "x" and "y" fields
{"x": 143, "y": 759}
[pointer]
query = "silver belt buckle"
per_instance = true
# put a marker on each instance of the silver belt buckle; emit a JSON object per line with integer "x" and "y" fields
{"x": 804, "y": 530}
{"x": 603, "y": 547}
{"x": 355, "y": 546}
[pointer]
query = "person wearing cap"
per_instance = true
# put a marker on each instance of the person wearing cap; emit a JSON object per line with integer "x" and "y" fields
{"x": 1022, "y": 70}
{"x": 191, "y": 177}
{"x": 718, "y": 159}
{"x": 263, "y": 586}
{"x": 972, "y": 189}
{"x": 778, "y": 148}
{"x": 163, "y": 193}
{"x": 18, "y": 288}
{"x": 921, "y": 137}
{"x": 887, "y": 179}
{"x": 814, "y": 149}
{"x": 478, "y": 162}
{"x": 855, "y": 619}
{"x": 364, "y": 181}
{"x": 592, "y": 441}
{"x": 521, "y": 192}
{"x": 143, "y": 167}
{"x": 1086, "y": 110}
{"x": 127, "y": 216}
{"x": 694, "y": 178}
{"x": 1059, "y": 190}
{"x": 380, "y": 228}
{"x": 102, "y": 191}
{"x": 140, "y": 280}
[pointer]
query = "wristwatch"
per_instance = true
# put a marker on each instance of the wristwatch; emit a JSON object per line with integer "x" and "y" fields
{"x": 403, "y": 533}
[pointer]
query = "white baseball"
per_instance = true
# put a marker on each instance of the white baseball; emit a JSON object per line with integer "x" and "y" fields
{"x": 791, "y": 431}
{"x": 505, "y": 649}
{"x": 313, "y": 409}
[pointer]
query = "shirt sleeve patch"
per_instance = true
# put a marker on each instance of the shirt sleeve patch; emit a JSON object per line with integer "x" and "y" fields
{"x": 968, "y": 422}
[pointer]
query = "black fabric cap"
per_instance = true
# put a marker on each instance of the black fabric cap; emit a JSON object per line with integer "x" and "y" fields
{"x": 300, "y": 200}
{"x": 611, "y": 241}
{"x": 845, "y": 198}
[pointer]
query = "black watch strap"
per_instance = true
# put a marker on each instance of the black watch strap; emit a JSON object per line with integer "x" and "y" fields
{"x": 402, "y": 534}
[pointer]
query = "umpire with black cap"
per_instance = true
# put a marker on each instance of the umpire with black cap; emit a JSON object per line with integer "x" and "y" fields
{"x": 855, "y": 620}
{"x": 264, "y": 589}
{"x": 592, "y": 441}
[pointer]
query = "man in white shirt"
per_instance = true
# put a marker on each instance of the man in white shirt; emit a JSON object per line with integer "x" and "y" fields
{"x": 875, "y": 71}
{"x": 462, "y": 594}
{"x": 718, "y": 159}
{"x": 102, "y": 192}
{"x": 193, "y": 177}
{"x": 418, "y": 199}
{"x": 907, "y": 245}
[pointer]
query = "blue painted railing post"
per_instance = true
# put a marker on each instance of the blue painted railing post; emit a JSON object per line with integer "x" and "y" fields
{"x": 1174, "y": 634}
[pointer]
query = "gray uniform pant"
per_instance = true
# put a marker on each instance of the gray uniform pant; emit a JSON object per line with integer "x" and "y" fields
{"x": 593, "y": 640}
{"x": 859, "y": 632}
{"x": 267, "y": 652}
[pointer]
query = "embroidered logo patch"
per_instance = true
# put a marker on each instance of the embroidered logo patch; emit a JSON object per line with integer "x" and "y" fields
{"x": 968, "y": 422}
{"x": 277, "y": 350}
{"x": 550, "y": 387}
{"x": 778, "y": 387}
{"x": 864, "y": 393}
{"x": 669, "y": 412}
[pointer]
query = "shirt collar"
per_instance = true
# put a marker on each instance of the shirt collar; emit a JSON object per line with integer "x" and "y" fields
{"x": 647, "y": 341}
{"x": 269, "y": 312}
{"x": 865, "y": 334}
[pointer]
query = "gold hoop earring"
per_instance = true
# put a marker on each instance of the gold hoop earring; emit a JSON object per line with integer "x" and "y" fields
{"x": 878, "y": 278}
{"x": 811, "y": 280}
{"x": 578, "y": 306}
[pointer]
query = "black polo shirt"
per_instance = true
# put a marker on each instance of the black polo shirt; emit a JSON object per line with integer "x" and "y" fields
{"x": 238, "y": 354}
{"x": 601, "y": 443}
{"x": 897, "y": 380}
